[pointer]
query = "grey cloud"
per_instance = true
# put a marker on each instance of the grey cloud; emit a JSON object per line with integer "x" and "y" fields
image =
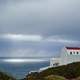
{"x": 48, "y": 18}
{"x": 44, "y": 17}
{"x": 47, "y": 47}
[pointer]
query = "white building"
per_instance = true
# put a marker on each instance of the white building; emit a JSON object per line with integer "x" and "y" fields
{"x": 68, "y": 55}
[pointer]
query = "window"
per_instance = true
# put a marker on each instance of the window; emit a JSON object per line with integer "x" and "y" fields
{"x": 74, "y": 52}
{"x": 70, "y": 52}
{"x": 77, "y": 52}
{"x": 56, "y": 64}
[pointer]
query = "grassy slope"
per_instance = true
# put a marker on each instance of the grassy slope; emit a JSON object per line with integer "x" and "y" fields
{"x": 68, "y": 71}
{"x": 4, "y": 76}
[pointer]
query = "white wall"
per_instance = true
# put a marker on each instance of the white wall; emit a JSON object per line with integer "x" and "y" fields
{"x": 54, "y": 62}
{"x": 67, "y": 58}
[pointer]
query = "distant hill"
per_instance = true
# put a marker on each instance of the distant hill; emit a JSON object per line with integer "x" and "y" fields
{"x": 5, "y": 76}
{"x": 65, "y": 72}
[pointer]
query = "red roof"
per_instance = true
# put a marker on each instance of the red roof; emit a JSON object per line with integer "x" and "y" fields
{"x": 73, "y": 48}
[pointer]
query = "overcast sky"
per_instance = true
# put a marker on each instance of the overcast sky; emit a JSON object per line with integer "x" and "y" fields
{"x": 38, "y": 28}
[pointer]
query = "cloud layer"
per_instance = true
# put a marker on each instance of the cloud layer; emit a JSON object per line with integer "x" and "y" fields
{"x": 38, "y": 27}
{"x": 17, "y": 45}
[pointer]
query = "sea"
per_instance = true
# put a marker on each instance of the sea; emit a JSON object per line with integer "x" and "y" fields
{"x": 20, "y": 67}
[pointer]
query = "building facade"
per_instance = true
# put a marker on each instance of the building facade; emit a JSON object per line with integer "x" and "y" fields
{"x": 68, "y": 55}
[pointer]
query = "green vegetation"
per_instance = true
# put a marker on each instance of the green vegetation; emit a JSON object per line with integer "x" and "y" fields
{"x": 65, "y": 72}
{"x": 54, "y": 77}
{"x": 69, "y": 72}
{"x": 4, "y": 76}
